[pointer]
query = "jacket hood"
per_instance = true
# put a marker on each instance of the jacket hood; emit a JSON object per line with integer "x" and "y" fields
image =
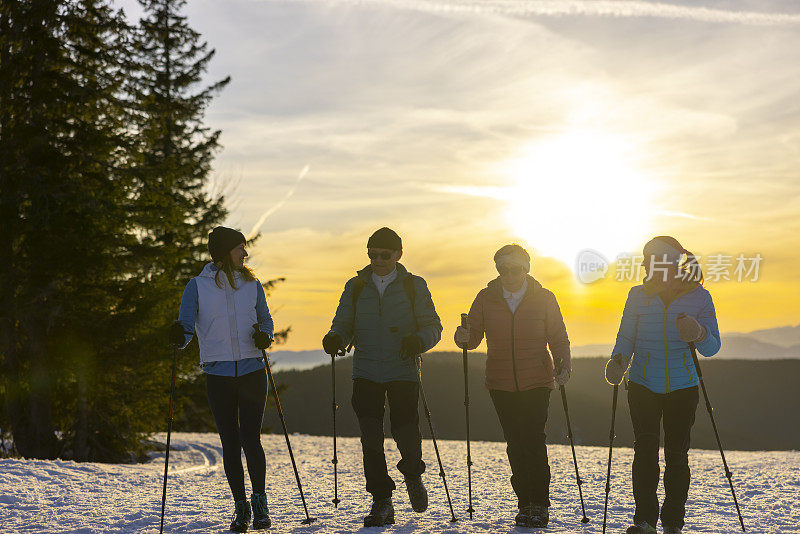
{"x": 366, "y": 272}
{"x": 653, "y": 286}
{"x": 495, "y": 287}
{"x": 210, "y": 271}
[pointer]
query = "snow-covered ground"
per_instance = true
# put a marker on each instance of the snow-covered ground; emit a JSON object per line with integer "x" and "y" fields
{"x": 56, "y": 496}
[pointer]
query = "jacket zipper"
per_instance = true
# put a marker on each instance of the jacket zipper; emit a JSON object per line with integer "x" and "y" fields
{"x": 513, "y": 356}
{"x": 644, "y": 371}
{"x": 513, "y": 323}
{"x": 666, "y": 359}
{"x": 380, "y": 297}
{"x": 231, "y": 301}
{"x": 687, "y": 366}
{"x": 236, "y": 362}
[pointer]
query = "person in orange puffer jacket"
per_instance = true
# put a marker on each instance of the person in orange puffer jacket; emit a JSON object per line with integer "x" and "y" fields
{"x": 521, "y": 320}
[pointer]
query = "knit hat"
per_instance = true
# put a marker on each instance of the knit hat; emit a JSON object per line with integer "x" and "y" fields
{"x": 385, "y": 238}
{"x": 513, "y": 255}
{"x": 662, "y": 250}
{"x": 222, "y": 240}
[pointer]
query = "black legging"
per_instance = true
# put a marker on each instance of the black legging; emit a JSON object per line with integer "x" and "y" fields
{"x": 237, "y": 404}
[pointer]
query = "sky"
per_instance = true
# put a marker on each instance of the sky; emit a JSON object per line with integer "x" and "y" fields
{"x": 465, "y": 125}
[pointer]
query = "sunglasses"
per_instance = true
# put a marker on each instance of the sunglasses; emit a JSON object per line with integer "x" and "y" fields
{"x": 373, "y": 255}
{"x": 506, "y": 269}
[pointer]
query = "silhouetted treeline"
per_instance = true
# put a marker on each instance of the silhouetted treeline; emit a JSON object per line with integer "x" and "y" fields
{"x": 104, "y": 210}
{"x": 755, "y": 403}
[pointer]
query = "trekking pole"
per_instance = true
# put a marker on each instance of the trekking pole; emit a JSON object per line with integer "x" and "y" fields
{"x": 610, "y": 448}
{"x": 308, "y": 520}
{"x": 335, "y": 407}
{"x": 169, "y": 434}
{"x": 464, "y": 320}
{"x": 417, "y": 359}
{"x": 728, "y": 472}
{"x": 572, "y": 444}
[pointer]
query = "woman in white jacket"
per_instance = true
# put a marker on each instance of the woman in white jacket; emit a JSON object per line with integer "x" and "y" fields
{"x": 220, "y": 306}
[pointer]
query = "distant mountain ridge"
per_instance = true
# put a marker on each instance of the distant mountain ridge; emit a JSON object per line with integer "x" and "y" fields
{"x": 766, "y": 344}
{"x": 755, "y": 403}
{"x": 784, "y": 336}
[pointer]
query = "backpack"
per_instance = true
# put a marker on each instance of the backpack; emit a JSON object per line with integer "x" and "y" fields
{"x": 408, "y": 286}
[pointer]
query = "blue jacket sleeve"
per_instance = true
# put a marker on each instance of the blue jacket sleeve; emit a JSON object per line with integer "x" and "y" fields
{"x": 708, "y": 318}
{"x": 188, "y": 311}
{"x": 344, "y": 320}
{"x": 626, "y": 336}
{"x": 262, "y": 312}
{"x": 428, "y": 323}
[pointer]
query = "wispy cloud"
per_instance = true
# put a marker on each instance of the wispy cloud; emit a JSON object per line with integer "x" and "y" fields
{"x": 498, "y": 193}
{"x": 682, "y": 215}
{"x": 597, "y": 8}
{"x": 279, "y": 205}
{"x": 415, "y": 113}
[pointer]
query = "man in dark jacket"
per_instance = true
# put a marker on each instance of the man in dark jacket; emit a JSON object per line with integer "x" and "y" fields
{"x": 388, "y": 315}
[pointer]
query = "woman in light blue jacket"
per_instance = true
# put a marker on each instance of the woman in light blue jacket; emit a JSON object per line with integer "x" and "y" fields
{"x": 221, "y": 305}
{"x": 661, "y": 317}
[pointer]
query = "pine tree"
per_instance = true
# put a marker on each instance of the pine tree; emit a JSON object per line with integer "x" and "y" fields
{"x": 105, "y": 206}
{"x": 173, "y": 208}
{"x": 62, "y": 194}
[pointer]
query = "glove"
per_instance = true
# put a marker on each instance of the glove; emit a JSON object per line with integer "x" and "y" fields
{"x": 177, "y": 335}
{"x": 262, "y": 340}
{"x": 689, "y": 330}
{"x": 411, "y": 346}
{"x": 561, "y": 374}
{"x": 615, "y": 369}
{"x": 332, "y": 343}
{"x": 462, "y": 337}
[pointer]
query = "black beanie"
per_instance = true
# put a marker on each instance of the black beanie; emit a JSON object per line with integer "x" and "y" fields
{"x": 222, "y": 240}
{"x": 385, "y": 238}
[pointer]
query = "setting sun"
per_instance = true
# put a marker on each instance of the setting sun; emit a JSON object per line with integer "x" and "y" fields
{"x": 580, "y": 190}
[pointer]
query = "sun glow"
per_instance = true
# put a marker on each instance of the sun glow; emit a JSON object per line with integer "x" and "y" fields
{"x": 580, "y": 190}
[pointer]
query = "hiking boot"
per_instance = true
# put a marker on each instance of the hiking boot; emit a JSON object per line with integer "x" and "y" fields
{"x": 260, "y": 511}
{"x": 417, "y": 494}
{"x": 241, "y": 517}
{"x": 641, "y": 527}
{"x": 538, "y": 516}
{"x": 524, "y": 515}
{"x": 671, "y": 530}
{"x": 382, "y": 513}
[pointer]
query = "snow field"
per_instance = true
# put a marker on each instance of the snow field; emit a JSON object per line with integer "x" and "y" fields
{"x": 39, "y": 496}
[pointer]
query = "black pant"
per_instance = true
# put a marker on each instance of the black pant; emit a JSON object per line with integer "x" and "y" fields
{"x": 523, "y": 415}
{"x": 368, "y": 402}
{"x": 647, "y": 408}
{"x": 237, "y": 404}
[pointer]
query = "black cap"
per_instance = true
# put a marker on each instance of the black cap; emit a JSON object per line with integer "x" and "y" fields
{"x": 385, "y": 238}
{"x": 222, "y": 240}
